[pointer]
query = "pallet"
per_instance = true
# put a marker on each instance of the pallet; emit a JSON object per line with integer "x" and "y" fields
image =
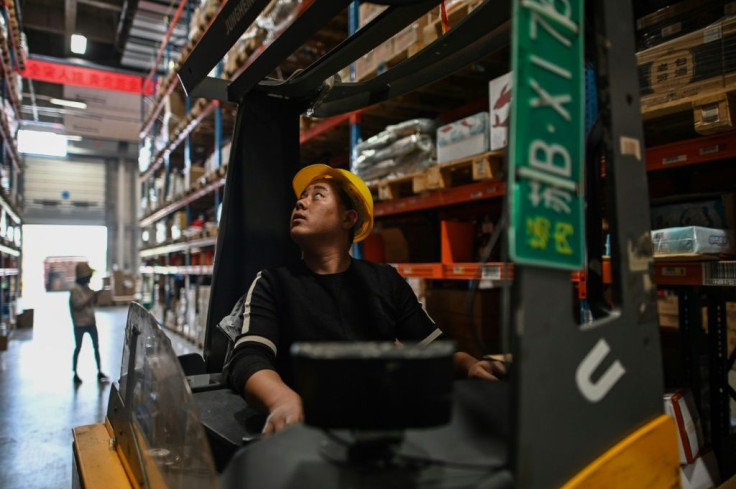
{"x": 397, "y": 187}
{"x": 687, "y": 76}
{"x": 713, "y": 110}
{"x": 484, "y": 166}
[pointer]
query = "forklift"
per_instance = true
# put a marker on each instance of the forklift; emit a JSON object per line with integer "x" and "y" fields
{"x": 582, "y": 404}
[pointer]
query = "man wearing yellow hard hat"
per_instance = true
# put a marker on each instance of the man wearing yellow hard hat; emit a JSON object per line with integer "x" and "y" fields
{"x": 328, "y": 296}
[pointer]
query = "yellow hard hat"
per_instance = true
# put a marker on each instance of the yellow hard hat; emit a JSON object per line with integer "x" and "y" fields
{"x": 355, "y": 187}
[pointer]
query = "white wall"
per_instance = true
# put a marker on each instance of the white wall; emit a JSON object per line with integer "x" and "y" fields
{"x": 42, "y": 241}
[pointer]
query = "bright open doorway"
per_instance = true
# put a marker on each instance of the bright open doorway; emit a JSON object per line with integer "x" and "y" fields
{"x": 42, "y": 242}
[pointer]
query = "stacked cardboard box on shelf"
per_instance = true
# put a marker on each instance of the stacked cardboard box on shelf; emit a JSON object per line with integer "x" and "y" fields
{"x": 406, "y": 42}
{"x": 677, "y": 19}
{"x": 123, "y": 284}
{"x": 465, "y": 137}
{"x": 691, "y": 69}
{"x": 499, "y": 104}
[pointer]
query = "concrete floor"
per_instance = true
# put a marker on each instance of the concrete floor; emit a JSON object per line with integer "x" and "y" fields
{"x": 39, "y": 403}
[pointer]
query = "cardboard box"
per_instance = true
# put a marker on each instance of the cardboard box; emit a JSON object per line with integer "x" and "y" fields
{"x": 717, "y": 212}
{"x": 369, "y": 11}
{"x": 477, "y": 333}
{"x": 689, "y": 66}
{"x": 104, "y": 298}
{"x": 123, "y": 284}
{"x": 25, "y": 319}
{"x": 668, "y": 304}
{"x": 499, "y": 99}
{"x": 408, "y": 39}
{"x": 175, "y": 105}
{"x": 192, "y": 175}
{"x": 680, "y": 405}
{"x": 702, "y": 473}
{"x": 463, "y": 138}
{"x": 669, "y": 320}
{"x": 729, "y": 484}
{"x": 675, "y": 19}
{"x": 365, "y": 65}
{"x": 715, "y": 114}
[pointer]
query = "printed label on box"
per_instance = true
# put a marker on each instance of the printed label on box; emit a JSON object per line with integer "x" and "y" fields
{"x": 500, "y": 107}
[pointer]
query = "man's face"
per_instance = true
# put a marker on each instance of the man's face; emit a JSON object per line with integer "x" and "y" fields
{"x": 319, "y": 214}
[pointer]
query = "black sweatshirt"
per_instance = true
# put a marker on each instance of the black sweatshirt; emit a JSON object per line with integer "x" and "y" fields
{"x": 367, "y": 302}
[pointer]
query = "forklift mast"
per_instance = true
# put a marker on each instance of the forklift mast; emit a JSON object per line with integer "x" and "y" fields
{"x": 579, "y": 392}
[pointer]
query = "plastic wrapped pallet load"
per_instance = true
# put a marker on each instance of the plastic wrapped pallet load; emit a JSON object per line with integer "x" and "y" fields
{"x": 462, "y": 138}
{"x": 398, "y": 150}
{"x": 692, "y": 240}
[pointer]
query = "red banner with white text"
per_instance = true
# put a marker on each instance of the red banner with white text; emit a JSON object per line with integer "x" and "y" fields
{"x": 79, "y": 76}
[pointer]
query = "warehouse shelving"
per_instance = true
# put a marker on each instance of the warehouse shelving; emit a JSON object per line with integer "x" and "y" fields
{"x": 182, "y": 246}
{"x": 178, "y": 270}
{"x": 327, "y": 139}
{"x": 214, "y": 183}
{"x": 202, "y": 125}
{"x": 13, "y": 21}
{"x": 720, "y": 146}
{"x": 12, "y": 60}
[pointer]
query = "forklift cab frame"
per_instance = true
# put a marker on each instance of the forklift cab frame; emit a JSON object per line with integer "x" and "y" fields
{"x": 605, "y": 376}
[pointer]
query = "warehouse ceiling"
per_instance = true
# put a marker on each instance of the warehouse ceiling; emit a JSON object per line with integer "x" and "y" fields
{"x": 122, "y": 35}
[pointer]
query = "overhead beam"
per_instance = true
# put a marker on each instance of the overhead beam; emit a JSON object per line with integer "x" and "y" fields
{"x": 103, "y": 36}
{"x": 101, "y": 5}
{"x": 70, "y": 22}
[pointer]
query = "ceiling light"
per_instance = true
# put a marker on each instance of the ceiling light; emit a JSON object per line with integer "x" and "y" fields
{"x": 79, "y": 44}
{"x": 74, "y": 138}
{"x": 41, "y": 143}
{"x": 68, "y": 103}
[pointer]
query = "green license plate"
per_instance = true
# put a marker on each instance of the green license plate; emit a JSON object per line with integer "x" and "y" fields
{"x": 546, "y": 152}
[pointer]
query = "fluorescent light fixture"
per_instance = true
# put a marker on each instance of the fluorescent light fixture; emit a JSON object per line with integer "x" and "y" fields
{"x": 74, "y": 138}
{"x": 41, "y": 143}
{"x": 68, "y": 103}
{"x": 79, "y": 44}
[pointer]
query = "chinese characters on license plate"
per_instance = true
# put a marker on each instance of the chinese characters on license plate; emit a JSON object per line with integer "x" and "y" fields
{"x": 546, "y": 141}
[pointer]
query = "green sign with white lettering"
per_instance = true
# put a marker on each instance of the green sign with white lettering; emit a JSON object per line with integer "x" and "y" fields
{"x": 546, "y": 152}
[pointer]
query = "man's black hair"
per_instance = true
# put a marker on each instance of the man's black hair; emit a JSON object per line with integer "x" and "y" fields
{"x": 349, "y": 205}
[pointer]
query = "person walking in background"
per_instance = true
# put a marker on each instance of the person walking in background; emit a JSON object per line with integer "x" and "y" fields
{"x": 81, "y": 304}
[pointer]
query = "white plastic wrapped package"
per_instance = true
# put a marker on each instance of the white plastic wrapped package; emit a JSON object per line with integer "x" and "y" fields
{"x": 413, "y": 126}
{"x": 396, "y": 131}
{"x": 462, "y": 129}
{"x": 412, "y": 162}
{"x": 376, "y": 171}
{"x": 463, "y": 138}
{"x": 380, "y": 140}
{"x": 415, "y": 142}
{"x": 692, "y": 239}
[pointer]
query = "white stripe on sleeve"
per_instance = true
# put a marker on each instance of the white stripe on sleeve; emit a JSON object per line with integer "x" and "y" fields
{"x": 432, "y": 336}
{"x": 246, "y": 307}
{"x": 257, "y": 339}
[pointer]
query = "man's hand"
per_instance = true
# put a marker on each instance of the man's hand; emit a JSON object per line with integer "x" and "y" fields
{"x": 266, "y": 391}
{"x": 468, "y": 365}
{"x": 284, "y": 414}
{"x": 487, "y": 369}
